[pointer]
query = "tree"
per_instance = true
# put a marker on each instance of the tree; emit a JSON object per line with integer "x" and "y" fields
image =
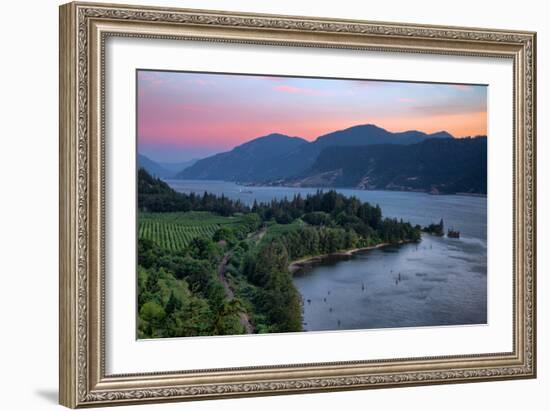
{"x": 203, "y": 249}
{"x": 152, "y": 281}
{"x": 271, "y": 257}
{"x": 435, "y": 229}
{"x": 228, "y": 318}
{"x": 283, "y": 302}
{"x": 252, "y": 221}
{"x": 317, "y": 218}
{"x": 173, "y": 304}
{"x": 148, "y": 253}
{"x": 225, "y": 234}
{"x": 152, "y": 314}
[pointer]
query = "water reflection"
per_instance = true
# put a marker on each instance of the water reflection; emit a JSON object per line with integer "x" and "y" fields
{"x": 437, "y": 282}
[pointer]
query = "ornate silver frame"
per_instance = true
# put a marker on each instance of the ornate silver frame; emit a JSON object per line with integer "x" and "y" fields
{"x": 83, "y": 30}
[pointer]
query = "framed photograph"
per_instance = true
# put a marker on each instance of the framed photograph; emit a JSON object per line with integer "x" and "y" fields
{"x": 258, "y": 204}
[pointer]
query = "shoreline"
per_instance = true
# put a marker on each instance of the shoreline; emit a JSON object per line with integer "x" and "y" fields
{"x": 311, "y": 261}
{"x": 245, "y": 184}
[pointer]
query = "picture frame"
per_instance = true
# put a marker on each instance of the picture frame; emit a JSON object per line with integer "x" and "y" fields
{"x": 84, "y": 30}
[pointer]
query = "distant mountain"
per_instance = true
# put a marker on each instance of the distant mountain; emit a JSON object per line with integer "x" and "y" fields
{"x": 437, "y": 165}
{"x": 369, "y": 134}
{"x": 175, "y": 168}
{"x": 163, "y": 170}
{"x": 277, "y": 156}
{"x": 256, "y": 160}
{"x": 152, "y": 167}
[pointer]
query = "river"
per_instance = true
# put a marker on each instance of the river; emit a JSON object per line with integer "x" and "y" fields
{"x": 440, "y": 281}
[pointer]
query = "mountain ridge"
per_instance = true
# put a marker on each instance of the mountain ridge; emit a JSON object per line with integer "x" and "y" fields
{"x": 277, "y": 156}
{"x": 244, "y": 161}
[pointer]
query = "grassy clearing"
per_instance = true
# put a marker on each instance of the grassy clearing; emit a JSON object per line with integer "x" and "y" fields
{"x": 277, "y": 230}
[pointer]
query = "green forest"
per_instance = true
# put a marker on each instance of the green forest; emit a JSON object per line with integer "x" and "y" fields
{"x": 208, "y": 265}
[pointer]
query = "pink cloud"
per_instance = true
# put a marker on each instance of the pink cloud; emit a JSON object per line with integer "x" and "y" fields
{"x": 274, "y": 78}
{"x": 201, "y": 82}
{"x": 194, "y": 108}
{"x": 406, "y": 100}
{"x": 152, "y": 78}
{"x": 293, "y": 90}
{"x": 461, "y": 87}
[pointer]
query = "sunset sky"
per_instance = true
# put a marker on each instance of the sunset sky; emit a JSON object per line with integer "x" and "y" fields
{"x": 189, "y": 115}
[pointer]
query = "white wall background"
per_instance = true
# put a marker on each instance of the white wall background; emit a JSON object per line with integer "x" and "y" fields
{"x": 29, "y": 187}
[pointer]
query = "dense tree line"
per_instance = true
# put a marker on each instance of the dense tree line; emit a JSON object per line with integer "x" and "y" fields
{"x": 335, "y": 222}
{"x": 315, "y": 209}
{"x": 307, "y": 240}
{"x": 155, "y": 195}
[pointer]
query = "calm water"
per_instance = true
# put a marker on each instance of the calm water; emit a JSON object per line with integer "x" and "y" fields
{"x": 440, "y": 281}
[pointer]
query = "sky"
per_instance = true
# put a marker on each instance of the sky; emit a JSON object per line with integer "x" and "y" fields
{"x": 182, "y": 115}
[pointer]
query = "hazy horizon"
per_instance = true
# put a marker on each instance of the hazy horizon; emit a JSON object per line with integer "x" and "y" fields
{"x": 184, "y": 116}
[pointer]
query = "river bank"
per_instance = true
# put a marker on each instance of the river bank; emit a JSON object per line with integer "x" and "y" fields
{"x": 312, "y": 261}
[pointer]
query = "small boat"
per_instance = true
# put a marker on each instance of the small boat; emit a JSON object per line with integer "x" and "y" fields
{"x": 453, "y": 234}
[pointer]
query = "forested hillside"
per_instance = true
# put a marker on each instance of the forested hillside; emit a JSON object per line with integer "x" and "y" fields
{"x": 436, "y": 165}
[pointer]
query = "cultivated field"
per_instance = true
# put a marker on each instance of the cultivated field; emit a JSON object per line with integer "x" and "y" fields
{"x": 173, "y": 231}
